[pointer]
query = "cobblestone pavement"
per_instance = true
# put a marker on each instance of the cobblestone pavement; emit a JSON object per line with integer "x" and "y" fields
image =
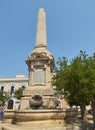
{"x": 74, "y": 124}
{"x": 78, "y": 124}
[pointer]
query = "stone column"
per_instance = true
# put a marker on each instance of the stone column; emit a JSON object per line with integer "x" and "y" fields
{"x": 41, "y": 40}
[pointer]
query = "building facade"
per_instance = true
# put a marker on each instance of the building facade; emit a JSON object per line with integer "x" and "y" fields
{"x": 9, "y": 85}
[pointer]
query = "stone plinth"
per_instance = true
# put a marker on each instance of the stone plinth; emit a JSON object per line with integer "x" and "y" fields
{"x": 41, "y": 90}
{"x": 9, "y": 114}
{"x": 37, "y": 120}
{"x": 37, "y": 115}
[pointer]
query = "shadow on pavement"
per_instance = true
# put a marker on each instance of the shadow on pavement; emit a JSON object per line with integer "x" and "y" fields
{"x": 78, "y": 124}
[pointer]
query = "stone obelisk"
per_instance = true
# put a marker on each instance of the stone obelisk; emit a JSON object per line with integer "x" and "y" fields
{"x": 40, "y": 65}
{"x": 41, "y": 40}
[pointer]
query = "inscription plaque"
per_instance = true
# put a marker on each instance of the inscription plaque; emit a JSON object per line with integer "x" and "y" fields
{"x": 38, "y": 76}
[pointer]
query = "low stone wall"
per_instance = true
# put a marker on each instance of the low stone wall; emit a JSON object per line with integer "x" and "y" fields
{"x": 71, "y": 113}
{"x": 9, "y": 114}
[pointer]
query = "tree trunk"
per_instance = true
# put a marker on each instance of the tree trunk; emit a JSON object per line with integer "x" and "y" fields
{"x": 83, "y": 111}
{"x": 93, "y": 108}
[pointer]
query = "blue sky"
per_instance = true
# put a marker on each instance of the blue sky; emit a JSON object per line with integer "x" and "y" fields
{"x": 70, "y": 28}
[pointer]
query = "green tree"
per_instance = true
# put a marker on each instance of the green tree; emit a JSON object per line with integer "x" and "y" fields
{"x": 77, "y": 79}
{"x": 3, "y": 98}
{"x": 18, "y": 93}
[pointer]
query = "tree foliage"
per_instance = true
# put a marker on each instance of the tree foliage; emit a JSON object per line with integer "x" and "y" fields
{"x": 3, "y": 98}
{"x": 76, "y": 78}
{"x": 18, "y": 93}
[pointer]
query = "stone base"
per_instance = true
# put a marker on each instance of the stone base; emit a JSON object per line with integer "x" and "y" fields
{"x": 36, "y": 125}
{"x": 36, "y": 120}
{"x": 9, "y": 114}
{"x": 49, "y": 102}
{"x": 41, "y": 90}
{"x": 39, "y": 115}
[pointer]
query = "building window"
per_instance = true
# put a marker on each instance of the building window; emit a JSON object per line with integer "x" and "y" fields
{"x": 2, "y": 88}
{"x": 23, "y": 87}
{"x": 12, "y": 90}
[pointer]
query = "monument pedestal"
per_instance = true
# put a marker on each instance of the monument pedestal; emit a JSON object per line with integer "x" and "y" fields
{"x": 45, "y": 93}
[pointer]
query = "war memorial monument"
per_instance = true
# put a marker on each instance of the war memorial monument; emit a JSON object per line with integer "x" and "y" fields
{"x": 38, "y": 107}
